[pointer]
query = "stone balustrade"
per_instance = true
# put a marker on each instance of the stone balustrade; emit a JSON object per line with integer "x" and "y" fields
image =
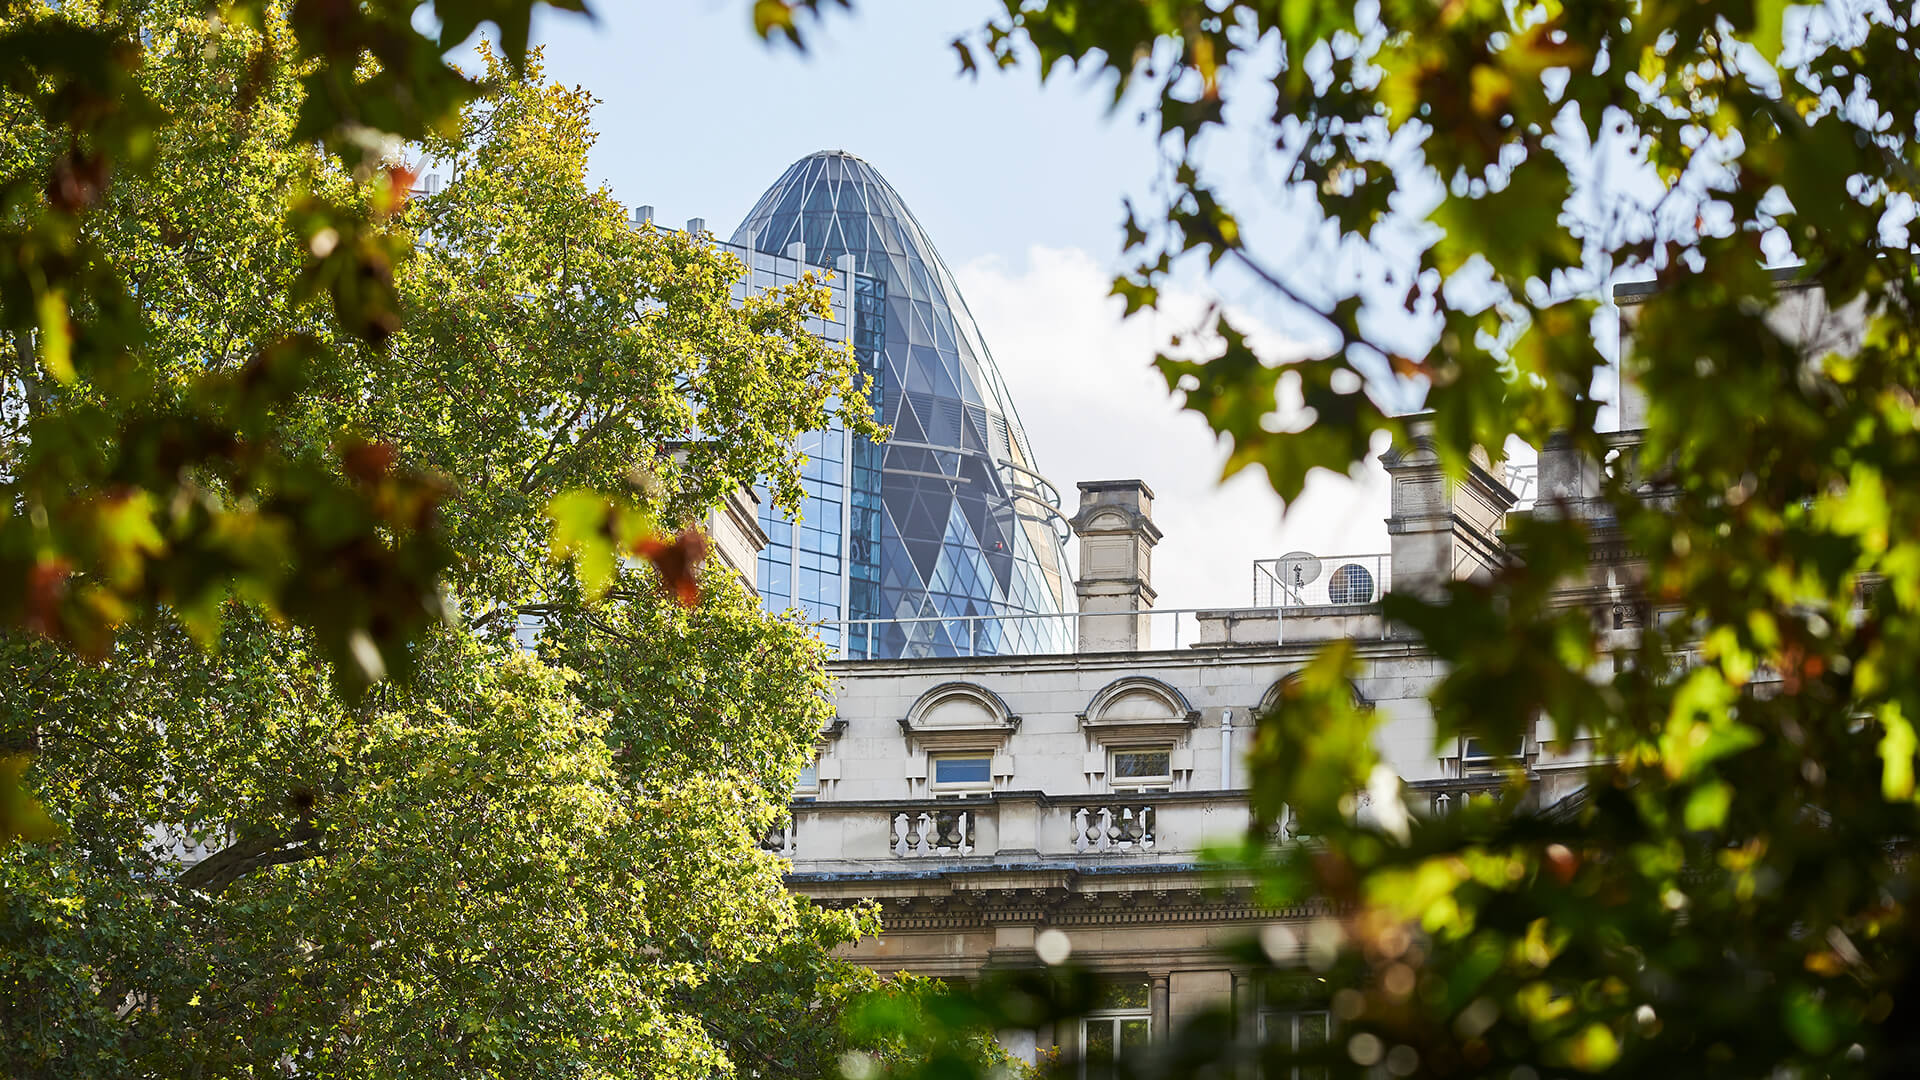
{"x": 1027, "y": 826}
{"x": 1438, "y": 798}
{"x": 1008, "y": 826}
{"x": 1117, "y": 825}
{"x": 916, "y": 832}
{"x": 779, "y": 838}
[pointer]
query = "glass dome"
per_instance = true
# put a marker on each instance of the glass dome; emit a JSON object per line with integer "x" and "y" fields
{"x": 962, "y": 523}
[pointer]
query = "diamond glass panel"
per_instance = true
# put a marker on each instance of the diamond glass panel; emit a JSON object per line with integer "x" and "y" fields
{"x": 945, "y": 520}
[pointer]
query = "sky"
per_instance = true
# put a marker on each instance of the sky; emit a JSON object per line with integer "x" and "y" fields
{"x": 1019, "y": 186}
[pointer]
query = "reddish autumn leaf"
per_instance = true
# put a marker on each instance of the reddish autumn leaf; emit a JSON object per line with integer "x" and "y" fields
{"x": 1562, "y": 862}
{"x": 1408, "y": 366}
{"x": 46, "y": 585}
{"x": 77, "y": 180}
{"x": 1798, "y": 666}
{"x": 399, "y": 184}
{"x": 367, "y": 462}
{"x": 677, "y": 561}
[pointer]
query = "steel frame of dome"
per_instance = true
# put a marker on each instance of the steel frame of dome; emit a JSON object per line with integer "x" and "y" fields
{"x": 946, "y": 519}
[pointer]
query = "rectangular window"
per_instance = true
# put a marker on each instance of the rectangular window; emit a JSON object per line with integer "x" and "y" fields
{"x": 1301, "y": 1032}
{"x": 809, "y": 779}
{"x": 1141, "y": 770}
{"x": 963, "y": 772}
{"x": 1476, "y": 753}
{"x": 1119, "y": 1028}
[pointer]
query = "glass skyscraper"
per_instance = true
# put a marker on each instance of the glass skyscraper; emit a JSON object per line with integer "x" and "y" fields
{"x": 951, "y": 517}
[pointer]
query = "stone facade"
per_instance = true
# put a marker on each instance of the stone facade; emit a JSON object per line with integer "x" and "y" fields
{"x": 986, "y": 801}
{"x": 734, "y": 533}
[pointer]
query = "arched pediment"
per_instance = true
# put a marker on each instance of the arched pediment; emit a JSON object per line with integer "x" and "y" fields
{"x": 959, "y": 714}
{"x": 1270, "y": 700}
{"x": 1138, "y": 707}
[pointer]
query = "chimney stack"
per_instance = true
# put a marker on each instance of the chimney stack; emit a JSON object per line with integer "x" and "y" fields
{"x": 1440, "y": 530}
{"x": 1117, "y": 535}
{"x": 643, "y": 215}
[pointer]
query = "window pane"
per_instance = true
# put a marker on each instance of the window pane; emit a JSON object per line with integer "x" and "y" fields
{"x": 1313, "y": 1030}
{"x": 1477, "y": 749}
{"x": 1141, "y": 763}
{"x": 962, "y": 770}
{"x": 1097, "y": 1048}
{"x": 809, "y": 777}
{"x": 1122, "y": 995}
{"x": 1312, "y": 1036}
{"x": 1133, "y": 1033}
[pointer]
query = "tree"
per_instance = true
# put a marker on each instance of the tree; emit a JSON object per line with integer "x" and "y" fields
{"x": 457, "y": 877}
{"x": 515, "y": 862}
{"x": 1734, "y": 895}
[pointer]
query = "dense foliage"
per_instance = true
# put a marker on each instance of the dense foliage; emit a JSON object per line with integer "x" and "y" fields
{"x": 1733, "y": 896}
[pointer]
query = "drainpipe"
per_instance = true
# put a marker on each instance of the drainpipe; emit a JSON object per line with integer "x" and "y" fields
{"x": 1226, "y": 749}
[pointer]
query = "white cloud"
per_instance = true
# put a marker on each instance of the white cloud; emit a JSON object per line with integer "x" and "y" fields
{"x": 1095, "y": 409}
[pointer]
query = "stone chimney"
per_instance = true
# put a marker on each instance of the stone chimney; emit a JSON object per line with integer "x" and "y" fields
{"x": 1117, "y": 534}
{"x": 1441, "y": 530}
{"x": 735, "y": 537}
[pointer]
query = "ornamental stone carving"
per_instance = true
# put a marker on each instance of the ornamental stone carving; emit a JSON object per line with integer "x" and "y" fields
{"x": 958, "y": 716}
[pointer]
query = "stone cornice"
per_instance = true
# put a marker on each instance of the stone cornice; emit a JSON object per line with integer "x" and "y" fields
{"x": 1233, "y": 796}
{"x": 1071, "y": 901}
{"x": 1124, "y": 661}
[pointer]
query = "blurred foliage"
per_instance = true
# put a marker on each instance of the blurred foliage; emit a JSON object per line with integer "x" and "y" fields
{"x": 1731, "y": 894}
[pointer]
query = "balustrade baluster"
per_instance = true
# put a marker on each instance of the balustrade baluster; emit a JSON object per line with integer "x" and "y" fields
{"x": 778, "y": 838}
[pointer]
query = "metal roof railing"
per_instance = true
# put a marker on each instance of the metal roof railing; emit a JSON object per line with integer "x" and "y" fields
{"x": 1321, "y": 580}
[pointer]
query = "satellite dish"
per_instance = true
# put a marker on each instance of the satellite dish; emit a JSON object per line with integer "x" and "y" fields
{"x": 1298, "y": 570}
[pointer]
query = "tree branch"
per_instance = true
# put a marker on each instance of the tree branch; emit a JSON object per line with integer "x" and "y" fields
{"x": 242, "y": 857}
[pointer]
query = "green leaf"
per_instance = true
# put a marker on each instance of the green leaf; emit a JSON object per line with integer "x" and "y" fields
{"x": 1897, "y": 746}
{"x": 1707, "y": 806}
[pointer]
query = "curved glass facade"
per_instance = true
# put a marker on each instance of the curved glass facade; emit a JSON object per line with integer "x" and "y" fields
{"x": 951, "y": 518}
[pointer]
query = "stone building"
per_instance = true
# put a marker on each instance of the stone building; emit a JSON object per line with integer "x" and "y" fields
{"x": 988, "y": 801}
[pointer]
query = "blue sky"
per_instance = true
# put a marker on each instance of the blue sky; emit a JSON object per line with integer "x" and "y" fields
{"x": 1021, "y": 189}
{"x": 700, "y": 117}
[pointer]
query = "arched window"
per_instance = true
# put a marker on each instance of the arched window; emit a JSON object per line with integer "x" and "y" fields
{"x": 957, "y": 734}
{"x": 1137, "y": 730}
